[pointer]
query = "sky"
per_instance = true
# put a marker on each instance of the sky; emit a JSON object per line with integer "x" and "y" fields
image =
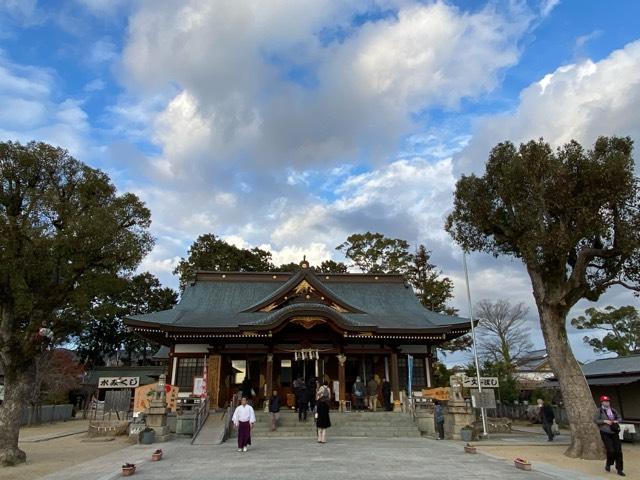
{"x": 291, "y": 124}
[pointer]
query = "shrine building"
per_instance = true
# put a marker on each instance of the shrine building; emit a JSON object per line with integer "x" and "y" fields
{"x": 276, "y": 327}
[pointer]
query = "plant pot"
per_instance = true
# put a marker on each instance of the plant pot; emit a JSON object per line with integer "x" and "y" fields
{"x": 522, "y": 465}
{"x": 128, "y": 471}
{"x": 470, "y": 449}
{"x": 466, "y": 435}
{"x": 148, "y": 437}
{"x": 156, "y": 456}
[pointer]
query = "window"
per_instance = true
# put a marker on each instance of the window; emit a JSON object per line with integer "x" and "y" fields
{"x": 402, "y": 372}
{"x": 239, "y": 368}
{"x": 187, "y": 369}
{"x": 419, "y": 377}
{"x": 285, "y": 372}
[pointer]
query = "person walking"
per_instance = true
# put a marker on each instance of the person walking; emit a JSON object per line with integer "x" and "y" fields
{"x": 300, "y": 392}
{"x": 386, "y": 394}
{"x": 243, "y": 419}
{"x": 372, "y": 390}
{"x": 358, "y": 394}
{"x": 546, "y": 417}
{"x": 323, "y": 421}
{"x": 275, "y": 402}
{"x": 438, "y": 418}
{"x": 608, "y": 421}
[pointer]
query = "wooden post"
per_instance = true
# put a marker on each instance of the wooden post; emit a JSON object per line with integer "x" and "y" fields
{"x": 395, "y": 383}
{"x": 213, "y": 370}
{"x": 342, "y": 359}
{"x": 269, "y": 375}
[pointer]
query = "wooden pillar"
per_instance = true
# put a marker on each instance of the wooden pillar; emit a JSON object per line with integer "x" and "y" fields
{"x": 269, "y": 375}
{"x": 213, "y": 371}
{"x": 395, "y": 383}
{"x": 342, "y": 359}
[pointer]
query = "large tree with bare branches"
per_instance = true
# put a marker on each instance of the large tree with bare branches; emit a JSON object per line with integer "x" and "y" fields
{"x": 503, "y": 335}
{"x": 573, "y": 217}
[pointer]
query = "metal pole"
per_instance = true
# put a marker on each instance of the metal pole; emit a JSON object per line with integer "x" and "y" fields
{"x": 473, "y": 337}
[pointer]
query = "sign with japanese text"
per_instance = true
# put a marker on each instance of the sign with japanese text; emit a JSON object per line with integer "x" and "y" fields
{"x": 486, "y": 382}
{"x": 118, "y": 382}
{"x": 484, "y": 399}
{"x": 441, "y": 393}
{"x": 144, "y": 395}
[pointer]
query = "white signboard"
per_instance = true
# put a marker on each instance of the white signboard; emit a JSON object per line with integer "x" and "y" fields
{"x": 199, "y": 386}
{"x": 487, "y": 382}
{"x": 118, "y": 382}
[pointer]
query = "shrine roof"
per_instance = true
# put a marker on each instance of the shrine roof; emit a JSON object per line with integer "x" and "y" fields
{"x": 243, "y": 300}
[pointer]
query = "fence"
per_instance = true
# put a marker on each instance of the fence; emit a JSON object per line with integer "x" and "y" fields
{"x": 526, "y": 412}
{"x": 46, "y": 414}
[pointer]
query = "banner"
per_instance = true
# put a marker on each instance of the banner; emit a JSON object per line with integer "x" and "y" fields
{"x": 409, "y": 374}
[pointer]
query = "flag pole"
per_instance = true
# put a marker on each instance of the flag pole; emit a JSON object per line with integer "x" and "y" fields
{"x": 473, "y": 338}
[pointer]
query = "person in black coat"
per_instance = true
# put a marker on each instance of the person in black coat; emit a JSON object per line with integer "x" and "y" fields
{"x": 386, "y": 394}
{"x": 608, "y": 421}
{"x": 546, "y": 417}
{"x": 247, "y": 389}
{"x": 323, "y": 421}
{"x": 300, "y": 391}
{"x": 275, "y": 402}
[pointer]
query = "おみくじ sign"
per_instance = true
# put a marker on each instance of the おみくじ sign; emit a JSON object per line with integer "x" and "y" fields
{"x": 118, "y": 382}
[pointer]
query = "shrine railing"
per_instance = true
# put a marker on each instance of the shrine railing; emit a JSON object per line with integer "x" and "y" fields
{"x": 202, "y": 413}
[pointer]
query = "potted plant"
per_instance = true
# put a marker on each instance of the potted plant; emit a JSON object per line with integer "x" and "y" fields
{"x": 466, "y": 433}
{"x": 157, "y": 455}
{"x": 522, "y": 463}
{"x": 147, "y": 436}
{"x": 469, "y": 448}
{"x": 128, "y": 469}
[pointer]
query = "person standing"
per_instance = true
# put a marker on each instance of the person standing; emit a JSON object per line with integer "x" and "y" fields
{"x": 386, "y": 394}
{"x": 546, "y": 417}
{"x": 323, "y": 421}
{"x": 312, "y": 388}
{"x": 275, "y": 402}
{"x": 372, "y": 390}
{"x": 300, "y": 392}
{"x": 247, "y": 389}
{"x": 438, "y": 418}
{"x": 608, "y": 421}
{"x": 358, "y": 394}
{"x": 243, "y": 419}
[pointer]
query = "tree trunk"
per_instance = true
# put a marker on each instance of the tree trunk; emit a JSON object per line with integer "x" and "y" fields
{"x": 578, "y": 401}
{"x": 16, "y": 390}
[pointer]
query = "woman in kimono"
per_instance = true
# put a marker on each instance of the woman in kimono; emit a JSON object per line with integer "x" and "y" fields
{"x": 243, "y": 419}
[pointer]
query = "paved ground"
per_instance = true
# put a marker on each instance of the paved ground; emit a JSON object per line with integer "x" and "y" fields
{"x": 283, "y": 459}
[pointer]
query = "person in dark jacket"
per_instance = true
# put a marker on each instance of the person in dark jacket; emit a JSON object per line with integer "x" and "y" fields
{"x": 608, "y": 421}
{"x": 438, "y": 418}
{"x": 357, "y": 390}
{"x": 247, "y": 389}
{"x": 546, "y": 417}
{"x": 386, "y": 394}
{"x": 275, "y": 402}
{"x": 312, "y": 387}
{"x": 323, "y": 400}
{"x": 300, "y": 392}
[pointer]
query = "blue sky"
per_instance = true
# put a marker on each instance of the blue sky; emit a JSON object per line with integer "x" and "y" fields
{"x": 291, "y": 124}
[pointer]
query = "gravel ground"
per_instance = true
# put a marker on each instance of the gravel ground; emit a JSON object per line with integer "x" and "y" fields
{"x": 554, "y": 455}
{"x": 44, "y": 457}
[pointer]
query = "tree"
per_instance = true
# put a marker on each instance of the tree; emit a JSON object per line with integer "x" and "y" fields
{"x": 331, "y": 266}
{"x": 58, "y": 373}
{"x": 103, "y": 332}
{"x": 64, "y": 234}
{"x": 209, "y": 252}
{"x": 375, "y": 253}
{"x": 573, "y": 218}
{"x": 621, "y": 324}
{"x": 432, "y": 291}
{"x": 503, "y": 333}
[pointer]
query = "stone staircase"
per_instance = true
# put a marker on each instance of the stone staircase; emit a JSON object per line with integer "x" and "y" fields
{"x": 354, "y": 424}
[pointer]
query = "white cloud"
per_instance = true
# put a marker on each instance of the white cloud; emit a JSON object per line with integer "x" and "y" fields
{"x": 579, "y": 101}
{"x": 258, "y": 87}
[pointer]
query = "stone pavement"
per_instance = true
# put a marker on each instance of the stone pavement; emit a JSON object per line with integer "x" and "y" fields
{"x": 283, "y": 459}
